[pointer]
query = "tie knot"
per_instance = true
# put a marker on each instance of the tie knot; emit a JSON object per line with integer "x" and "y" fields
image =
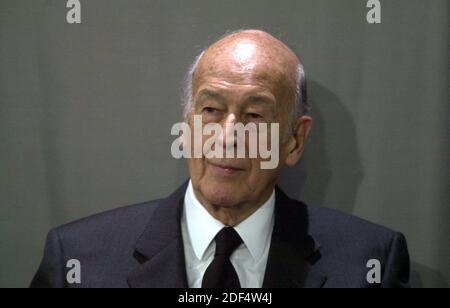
{"x": 227, "y": 240}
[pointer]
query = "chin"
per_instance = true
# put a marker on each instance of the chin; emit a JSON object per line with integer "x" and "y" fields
{"x": 220, "y": 196}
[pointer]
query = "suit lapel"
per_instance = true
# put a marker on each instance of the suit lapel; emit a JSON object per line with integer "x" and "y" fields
{"x": 159, "y": 250}
{"x": 292, "y": 256}
{"x": 293, "y": 252}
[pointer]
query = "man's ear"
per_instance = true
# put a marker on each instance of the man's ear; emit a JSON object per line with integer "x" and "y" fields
{"x": 296, "y": 144}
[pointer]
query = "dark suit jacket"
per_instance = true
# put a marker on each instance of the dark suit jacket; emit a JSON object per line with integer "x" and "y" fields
{"x": 141, "y": 246}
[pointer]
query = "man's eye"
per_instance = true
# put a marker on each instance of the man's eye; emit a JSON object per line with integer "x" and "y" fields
{"x": 253, "y": 115}
{"x": 209, "y": 110}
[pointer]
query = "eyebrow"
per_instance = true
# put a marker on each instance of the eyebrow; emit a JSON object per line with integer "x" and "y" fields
{"x": 207, "y": 93}
{"x": 259, "y": 99}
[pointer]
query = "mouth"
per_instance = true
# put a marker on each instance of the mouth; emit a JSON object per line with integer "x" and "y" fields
{"x": 226, "y": 168}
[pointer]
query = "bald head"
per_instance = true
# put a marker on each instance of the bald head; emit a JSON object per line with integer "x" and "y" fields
{"x": 251, "y": 57}
{"x": 246, "y": 53}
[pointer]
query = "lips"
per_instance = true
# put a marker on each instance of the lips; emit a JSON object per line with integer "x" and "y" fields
{"x": 227, "y": 166}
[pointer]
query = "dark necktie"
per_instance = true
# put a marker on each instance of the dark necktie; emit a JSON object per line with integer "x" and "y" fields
{"x": 221, "y": 273}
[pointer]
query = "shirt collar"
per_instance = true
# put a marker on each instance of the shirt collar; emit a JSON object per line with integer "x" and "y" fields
{"x": 255, "y": 231}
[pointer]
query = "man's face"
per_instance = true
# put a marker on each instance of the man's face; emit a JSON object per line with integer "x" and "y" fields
{"x": 238, "y": 85}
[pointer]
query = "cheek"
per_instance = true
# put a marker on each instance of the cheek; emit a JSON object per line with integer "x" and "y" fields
{"x": 260, "y": 177}
{"x": 256, "y": 175}
{"x": 284, "y": 153}
{"x": 196, "y": 167}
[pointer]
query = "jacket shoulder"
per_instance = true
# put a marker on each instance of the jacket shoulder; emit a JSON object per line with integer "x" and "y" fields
{"x": 349, "y": 243}
{"x": 324, "y": 220}
{"x": 127, "y": 221}
{"x": 343, "y": 234}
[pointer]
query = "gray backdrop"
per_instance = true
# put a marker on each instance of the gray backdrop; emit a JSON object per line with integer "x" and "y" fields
{"x": 86, "y": 112}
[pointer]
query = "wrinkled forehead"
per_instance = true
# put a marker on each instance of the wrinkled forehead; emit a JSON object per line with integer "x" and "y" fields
{"x": 248, "y": 63}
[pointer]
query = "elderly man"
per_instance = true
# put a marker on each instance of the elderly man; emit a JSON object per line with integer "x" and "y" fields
{"x": 230, "y": 226}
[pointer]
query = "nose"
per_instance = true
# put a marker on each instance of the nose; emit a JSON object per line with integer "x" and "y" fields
{"x": 228, "y": 138}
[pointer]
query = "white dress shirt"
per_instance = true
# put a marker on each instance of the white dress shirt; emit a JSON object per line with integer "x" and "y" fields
{"x": 199, "y": 229}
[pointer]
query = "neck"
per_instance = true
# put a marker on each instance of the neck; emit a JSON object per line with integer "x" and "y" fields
{"x": 232, "y": 215}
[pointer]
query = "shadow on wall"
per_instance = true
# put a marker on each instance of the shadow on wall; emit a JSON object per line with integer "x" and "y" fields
{"x": 331, "y": 166}
{"x": 330, "y": 171}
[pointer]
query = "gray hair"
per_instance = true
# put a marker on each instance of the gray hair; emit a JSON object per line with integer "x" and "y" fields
{"x": 300, "y": 105}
